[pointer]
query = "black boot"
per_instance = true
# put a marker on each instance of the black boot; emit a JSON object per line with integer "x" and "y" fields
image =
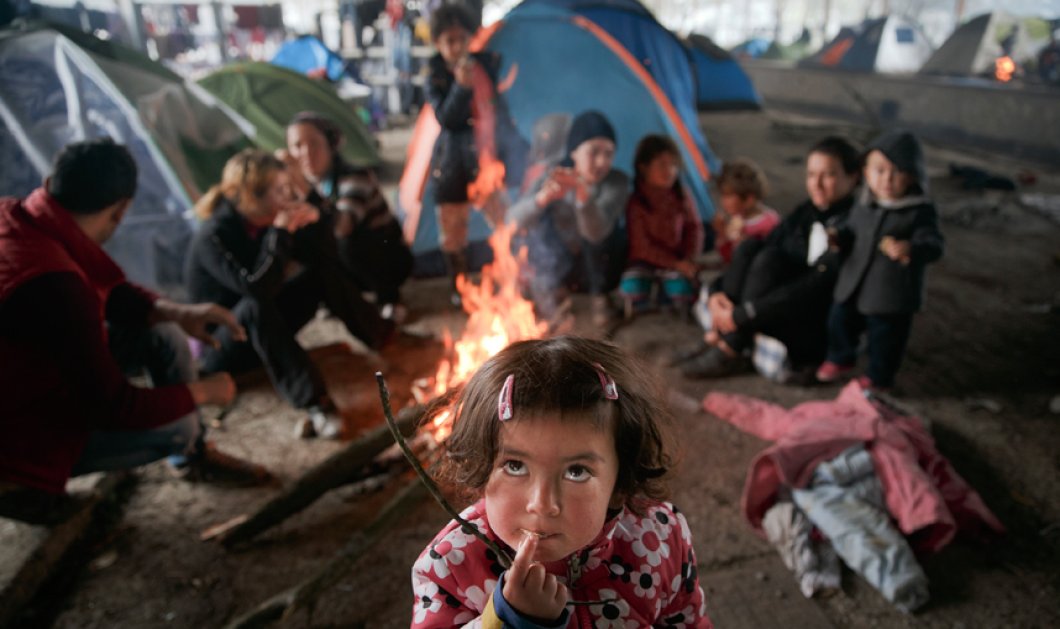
{"x": 456, "y": 265}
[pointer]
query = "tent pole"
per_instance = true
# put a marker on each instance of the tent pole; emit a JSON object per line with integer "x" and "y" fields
{"x": 827, "y": 19}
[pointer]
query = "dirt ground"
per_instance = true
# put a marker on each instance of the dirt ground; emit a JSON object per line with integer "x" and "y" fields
{"x": 981, "y": 365}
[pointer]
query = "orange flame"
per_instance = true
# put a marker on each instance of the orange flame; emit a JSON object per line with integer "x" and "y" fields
{"x": 489, "y": 181}
{"x": 498, "y": 316}
{"x": 1004, "y": 69}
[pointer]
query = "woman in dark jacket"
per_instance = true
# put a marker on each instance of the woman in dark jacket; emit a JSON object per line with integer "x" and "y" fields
{"x": 242, "y": 258}
{"x": 370, "y": 242}
{"x": 782, "y": 286}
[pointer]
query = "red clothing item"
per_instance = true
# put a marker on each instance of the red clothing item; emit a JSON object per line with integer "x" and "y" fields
{"x": 927, "y": 498}
{"x": 663, "y": 227}
{"x": 57, "y": 287}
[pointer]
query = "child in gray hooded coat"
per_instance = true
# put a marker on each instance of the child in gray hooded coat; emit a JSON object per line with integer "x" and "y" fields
{"x": 891, "y": 236}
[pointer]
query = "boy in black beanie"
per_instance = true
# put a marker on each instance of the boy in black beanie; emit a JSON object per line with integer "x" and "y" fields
{"x": 891, "y": 236}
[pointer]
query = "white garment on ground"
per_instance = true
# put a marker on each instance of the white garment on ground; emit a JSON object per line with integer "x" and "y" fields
{"x": 845, "y": 501}
{"x": 815, "y": 564}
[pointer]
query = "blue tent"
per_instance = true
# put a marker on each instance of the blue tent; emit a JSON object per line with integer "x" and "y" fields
{"x": 546, "y": 53}
{"x": 658, "y": 50}
{"x": 721, "y": 82}
{"x": 751, "y": 49}
{"x": 546, "y": 56}
{"x": 307, "y": 53}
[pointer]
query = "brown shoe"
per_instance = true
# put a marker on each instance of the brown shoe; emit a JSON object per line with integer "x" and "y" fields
{"x": 213, "y": 466}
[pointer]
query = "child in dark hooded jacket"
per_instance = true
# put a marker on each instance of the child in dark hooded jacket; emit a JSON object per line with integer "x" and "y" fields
{"x": 891, "y": 236}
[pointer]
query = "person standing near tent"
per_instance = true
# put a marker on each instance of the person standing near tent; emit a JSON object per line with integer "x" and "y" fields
{"x": 476, "y": 128}
{"x": 370, "y": 243}
{"x": 569, "y": 221}
{"x": 782, "y": 286}
{"x": 72, "y": 326}
{"x": 241, "y": 258}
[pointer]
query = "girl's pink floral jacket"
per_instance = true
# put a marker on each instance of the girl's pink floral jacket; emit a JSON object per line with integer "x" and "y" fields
{"x": 639, "y": 572}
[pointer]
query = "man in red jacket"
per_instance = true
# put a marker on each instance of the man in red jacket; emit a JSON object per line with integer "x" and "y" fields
{"x": 72, "y": 327}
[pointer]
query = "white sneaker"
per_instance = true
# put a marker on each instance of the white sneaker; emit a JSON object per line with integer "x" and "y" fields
{"x": 318, "y": 424}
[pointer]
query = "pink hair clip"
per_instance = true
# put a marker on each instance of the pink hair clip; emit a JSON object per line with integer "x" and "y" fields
{"x": 504, "y": 400}
{"x": 607, "y": 382}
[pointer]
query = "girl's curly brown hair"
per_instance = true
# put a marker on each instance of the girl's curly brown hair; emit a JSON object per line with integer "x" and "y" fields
{"x": 557, "y": 376}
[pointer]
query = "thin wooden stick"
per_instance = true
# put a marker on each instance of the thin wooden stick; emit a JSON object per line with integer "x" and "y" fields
{"x": 384, "y": 396}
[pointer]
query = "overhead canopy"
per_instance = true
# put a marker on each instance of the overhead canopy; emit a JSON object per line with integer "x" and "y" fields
{"x": 62, "y": 86}
{"x": 269, "y": 96}
{"x": 890, "y": 44}
{"x": 973, "y": 48}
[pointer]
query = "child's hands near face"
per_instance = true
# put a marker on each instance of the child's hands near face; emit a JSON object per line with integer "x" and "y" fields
{"x": 462, "y": 70}
{"x": 295, "y": 216}
{"x": 897, "y": 250}
{"x": 531, "y": 590}
{"x": 559, "y": 181}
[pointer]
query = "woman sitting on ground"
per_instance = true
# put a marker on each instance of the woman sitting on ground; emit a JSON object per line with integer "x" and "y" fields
{"x": 782, "y": 286}
{"x": 371, "y": 245}
{"x": 242, "y": 258}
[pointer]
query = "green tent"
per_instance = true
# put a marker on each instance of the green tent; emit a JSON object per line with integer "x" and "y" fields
{"x": 269, "y": 96}
{"x": 61, "y": 85}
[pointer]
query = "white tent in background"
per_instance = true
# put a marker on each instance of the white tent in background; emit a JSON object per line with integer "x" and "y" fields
{"x": 892, "y": 44}
{"x": 974, "y": 47}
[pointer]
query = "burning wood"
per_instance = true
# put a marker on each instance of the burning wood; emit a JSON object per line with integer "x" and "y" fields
{"x": 498, "y": 315}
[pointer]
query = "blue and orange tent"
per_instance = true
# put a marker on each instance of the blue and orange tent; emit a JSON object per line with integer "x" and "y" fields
{"x": 547, "y": 55}
{"x": 721, "y": 84}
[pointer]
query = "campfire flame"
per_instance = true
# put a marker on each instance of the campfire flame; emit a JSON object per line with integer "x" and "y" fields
{"x": 498, "y": 316}
{"x": 489, "y": 181}
{"x": 1004, "y": 69}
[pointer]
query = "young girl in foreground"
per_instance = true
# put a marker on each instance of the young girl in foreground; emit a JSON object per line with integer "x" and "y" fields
{"x": 562, "y": 440}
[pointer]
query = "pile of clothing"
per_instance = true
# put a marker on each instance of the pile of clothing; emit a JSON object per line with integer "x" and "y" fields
{"x": 852, "y": 479}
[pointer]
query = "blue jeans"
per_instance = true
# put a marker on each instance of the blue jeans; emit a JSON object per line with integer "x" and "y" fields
{"x": 162, "y": 353}
{"x": 887, "y": 336}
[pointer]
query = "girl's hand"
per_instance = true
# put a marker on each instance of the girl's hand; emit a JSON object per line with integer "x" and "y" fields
{"x": 687, "y": 268}
{"x": 559, "y": 181}
{"x": 734, "y": 228}
{"x": 295, "y": 216}
{"x": 897, "y": 250}
{"x": 529, "y": 589}
{"x": 462, "y": 70}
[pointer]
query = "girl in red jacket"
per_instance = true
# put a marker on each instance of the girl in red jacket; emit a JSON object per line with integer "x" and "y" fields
{"x": 562, "y": 441}
{"x": 665, "y": 232}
